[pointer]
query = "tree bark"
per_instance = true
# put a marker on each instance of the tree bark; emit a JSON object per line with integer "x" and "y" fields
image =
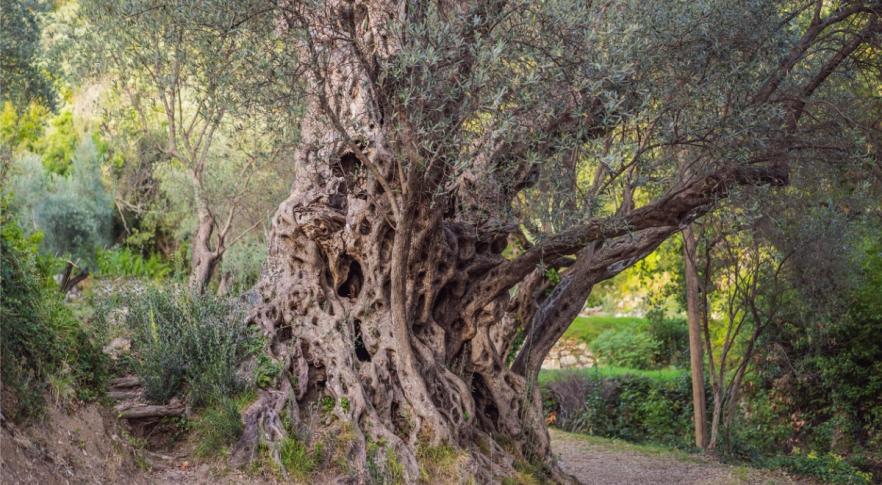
{"x": 204, "y": 259}
{"x": 716, "y": 417}
{"x": 223, "y": 287}
{"x": 696, "y": 360}
{"x": 69, "y": 280}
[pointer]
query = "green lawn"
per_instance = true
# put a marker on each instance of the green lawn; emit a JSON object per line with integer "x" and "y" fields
{"x": 547, "y": 375}
{"x": 587, "y": 328}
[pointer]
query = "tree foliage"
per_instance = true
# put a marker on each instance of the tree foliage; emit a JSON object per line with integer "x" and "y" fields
{"x": 23, "y": 76}
{"x": 74, "y": 213}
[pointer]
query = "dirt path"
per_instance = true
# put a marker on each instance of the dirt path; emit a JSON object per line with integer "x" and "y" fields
{"x": 88, "y": 447}
{"x": 596, "y": 461}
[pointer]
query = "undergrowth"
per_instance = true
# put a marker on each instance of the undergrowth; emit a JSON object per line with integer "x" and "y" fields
{"x": 218, "y": 427}
{"x": 43, "y": 347}
{"x": 183, "y": 343}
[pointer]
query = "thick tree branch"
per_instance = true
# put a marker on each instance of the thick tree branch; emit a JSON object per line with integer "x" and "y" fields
{"x": 675, "y": 209}
{"x": 554, "y": 316}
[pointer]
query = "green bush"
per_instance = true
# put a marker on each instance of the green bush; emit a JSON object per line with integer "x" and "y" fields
{"x": 40, "y": 339}
{"x": 822, "y": 368}
{"x": 672, "y": 334}
{"x": 244, "y": 262}
{"x": 184, "y": 342}
{"x": 22, "y": 131}
{"x": 59, "y": 143}
{"x": 631, "y": 407}
{"x": 828, "y": 467}
{"x": 626, "y": 348}
{"x": 74, "y": 212}
{"x": 759, "y": 430}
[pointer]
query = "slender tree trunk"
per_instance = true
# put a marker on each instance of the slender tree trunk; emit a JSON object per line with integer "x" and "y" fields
{"x": 716, "y": 418}
{"x": 696, "y": 360}
{"x": 203, "y": 259}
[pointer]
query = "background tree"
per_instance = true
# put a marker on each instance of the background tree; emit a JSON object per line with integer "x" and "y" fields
{"x": 435, "y": 132}
{"x": 74, "y": 213}
{"x": 189, "y": 62}
{"x": 741, "y": 291}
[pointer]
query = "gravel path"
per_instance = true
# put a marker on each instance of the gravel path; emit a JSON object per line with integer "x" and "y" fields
{"x": 595, "y": 461}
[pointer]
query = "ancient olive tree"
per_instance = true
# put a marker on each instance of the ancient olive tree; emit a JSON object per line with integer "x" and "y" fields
{"x": 452, "y": 153}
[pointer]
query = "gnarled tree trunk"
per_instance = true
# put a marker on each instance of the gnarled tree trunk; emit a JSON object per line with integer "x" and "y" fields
{"x": 380, "y": 298}
{"x": 365, "y": 299}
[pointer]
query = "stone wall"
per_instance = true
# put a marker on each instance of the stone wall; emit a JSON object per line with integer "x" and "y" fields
{"x": 569, "y": 353}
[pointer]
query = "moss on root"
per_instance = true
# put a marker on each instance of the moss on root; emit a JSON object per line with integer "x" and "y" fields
{"x": 441, "y": 464}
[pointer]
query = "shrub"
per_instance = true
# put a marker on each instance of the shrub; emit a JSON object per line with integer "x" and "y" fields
{"x": 266, "y": 371}
{"x": 631, "y": 407}
{"x": 672, "y": 334}
{"x": 758, "y": 430}
{"x": 243, "y": 262}
{"x": 821, "y": 369}
{"x": 22, "y": 131}
{"x": 828, "y": 467}
{"x": 182, "y": 341}
{"x": 59, "y": 143}
{"x": 74, "y": 212}
{"x": 40, "y": 339}
{"x": 626, "y": 348}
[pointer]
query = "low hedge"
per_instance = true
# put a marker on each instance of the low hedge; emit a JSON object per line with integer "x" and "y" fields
{"x": 632, "y": 407}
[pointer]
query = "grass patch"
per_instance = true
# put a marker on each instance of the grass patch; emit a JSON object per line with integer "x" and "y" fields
{"x": 588, "y": 328}
{"x": 521, "y": 478}
{"x": 526, "y": 474}
{"x": 299, "y": 461}
{"x": 383, "y": 465}
{"x": 218, "y": 427}
{"x": 660, "y": 375}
